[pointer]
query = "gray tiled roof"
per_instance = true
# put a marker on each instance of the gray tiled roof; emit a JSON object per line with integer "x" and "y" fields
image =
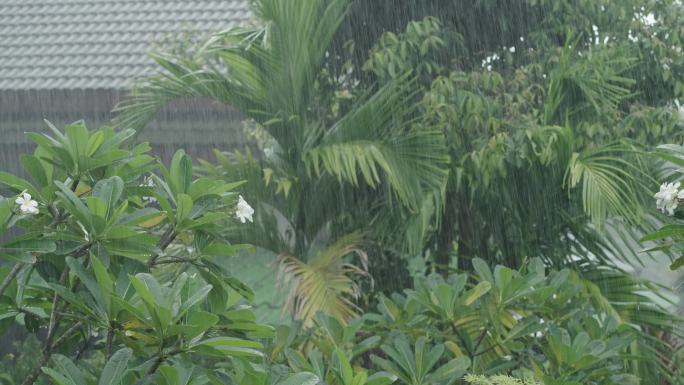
{"x": 85, "y": 44}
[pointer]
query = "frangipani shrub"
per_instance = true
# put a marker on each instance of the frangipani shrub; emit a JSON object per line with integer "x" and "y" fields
{"x": 117, "y": 268}
{"x": 668, "y": 200}
{"x": 549, "y": 325}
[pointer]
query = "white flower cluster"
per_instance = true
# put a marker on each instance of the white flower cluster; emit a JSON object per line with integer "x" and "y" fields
{"x": 489, "y": 60}
{"x": 244, "y": 211}
{"x": 669, "y": 197}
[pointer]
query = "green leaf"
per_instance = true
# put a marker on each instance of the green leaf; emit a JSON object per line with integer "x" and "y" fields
{"x": 345, "y": 369}
{"x": 381, "y": 378}
{"x": 103, "y": 280}
{"x": 5, "y": 214}
{"x": 483, "y": 270}
{"x": 77, "y": 134}
{"x": 34, "y": 168}
{"x": 74, "y": 205}
{"x": 478, "y": 291}
{"x": 455, "y": 368}
{"x": 180, "y": 172}
{"x": 148, "y": 288}
{"x": 109, "y": 190}
{"x": 89, "y": 283}
{"x": 68, "y": 369}
{"x": 94, "y": 142}
{"x": 679, "y": 262}
{"x": 184, "y": 207}
{"x": 229, "y": 347}
{"x": 302, "y": 378}
{"x": 116, "y": 367}
{"x": 664, "y": 232}
{"x": 198, "y": 296}
{"x": 17, "y": 184}
{"x": 58, "y": 378}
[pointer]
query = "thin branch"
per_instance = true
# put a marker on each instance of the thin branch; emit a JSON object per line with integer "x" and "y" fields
{"x": 170, "y": 260}
{"x": 160, "y": 360}
{"x": 108, "y": 345}
{"x": 479, "y": 339}
{"x": 47, "y": 353}
{"x": 53, "y": 310}
{"x": 164, "y": 242}
{"x": 8, "y": 279}
{"x": 494, "y": 346}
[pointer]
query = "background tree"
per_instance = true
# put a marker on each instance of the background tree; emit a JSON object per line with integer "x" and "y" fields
{"x": 544, "y": 132}
{"x": 339, "y": 158}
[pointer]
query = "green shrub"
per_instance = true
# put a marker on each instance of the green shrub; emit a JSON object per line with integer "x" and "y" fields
{"x": 116, "y": 267}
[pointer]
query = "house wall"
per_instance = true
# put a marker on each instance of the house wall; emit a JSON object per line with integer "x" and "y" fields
{"x": 196, "y": 125}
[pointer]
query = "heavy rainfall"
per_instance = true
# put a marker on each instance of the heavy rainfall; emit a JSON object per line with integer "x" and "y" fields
{"x": 341, "y": 192}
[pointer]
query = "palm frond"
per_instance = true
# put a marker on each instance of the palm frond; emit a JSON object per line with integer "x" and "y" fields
{"x": 642, "y": 306}
{"x": 373, "y": 137}
{"x": 325, "y": 283}
{"x": 611, "y": 184}
{"x": 266, "y": 72}
{"x": 298, "y": 35}
{"x": 591, "y": 84}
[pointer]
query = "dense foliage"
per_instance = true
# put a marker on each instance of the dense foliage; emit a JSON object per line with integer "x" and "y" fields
{"x": 670, "y": 237}
{"x": 116, "y": 264}
{"x": 514, "y": 164}
{"x": 549, "y": 124}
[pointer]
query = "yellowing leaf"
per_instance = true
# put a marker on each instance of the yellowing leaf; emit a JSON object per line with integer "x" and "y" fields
{"x": 268, "y": 173}
{"x": 82, "y": 189}
{"x": 153, "y": 221}
{"x": 284, "y": 185}
{"x": 454, "y": 348}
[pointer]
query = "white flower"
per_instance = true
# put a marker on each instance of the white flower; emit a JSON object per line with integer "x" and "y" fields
{"x": 344, "y": 94}
{"x": 680, "y": 109}
{"x": 667, "y": 197}
{"x": 512, "y": 49}
{"x": 26, "y": 204}
{"x": 244, "y": 210}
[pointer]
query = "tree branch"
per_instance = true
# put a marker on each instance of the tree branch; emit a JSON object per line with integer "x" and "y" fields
{"x": 8, "y": 279}
{"x": 160, "y": 360}
{"x": 170, "y": 260}
{"x": 47, "y": 353}
{"x": 164, "y": 242}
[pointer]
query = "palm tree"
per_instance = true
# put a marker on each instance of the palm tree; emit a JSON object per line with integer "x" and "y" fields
{"x": 324, "y": 175}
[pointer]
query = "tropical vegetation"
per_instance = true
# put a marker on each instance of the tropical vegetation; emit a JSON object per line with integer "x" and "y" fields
{"x": 507, "y": 148}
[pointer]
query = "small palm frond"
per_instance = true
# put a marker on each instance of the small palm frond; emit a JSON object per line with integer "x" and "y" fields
{"x": 266, "y": 72}
{"x": 586, "y": 84}
{"x": 611, "y": 184}
{"x": 373, "y": 137}
{"x": 326, "y": 282}
{"x": 236, "y": 82}
{"x": 298, "y": 35}
{"x": 641, "y": 305}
